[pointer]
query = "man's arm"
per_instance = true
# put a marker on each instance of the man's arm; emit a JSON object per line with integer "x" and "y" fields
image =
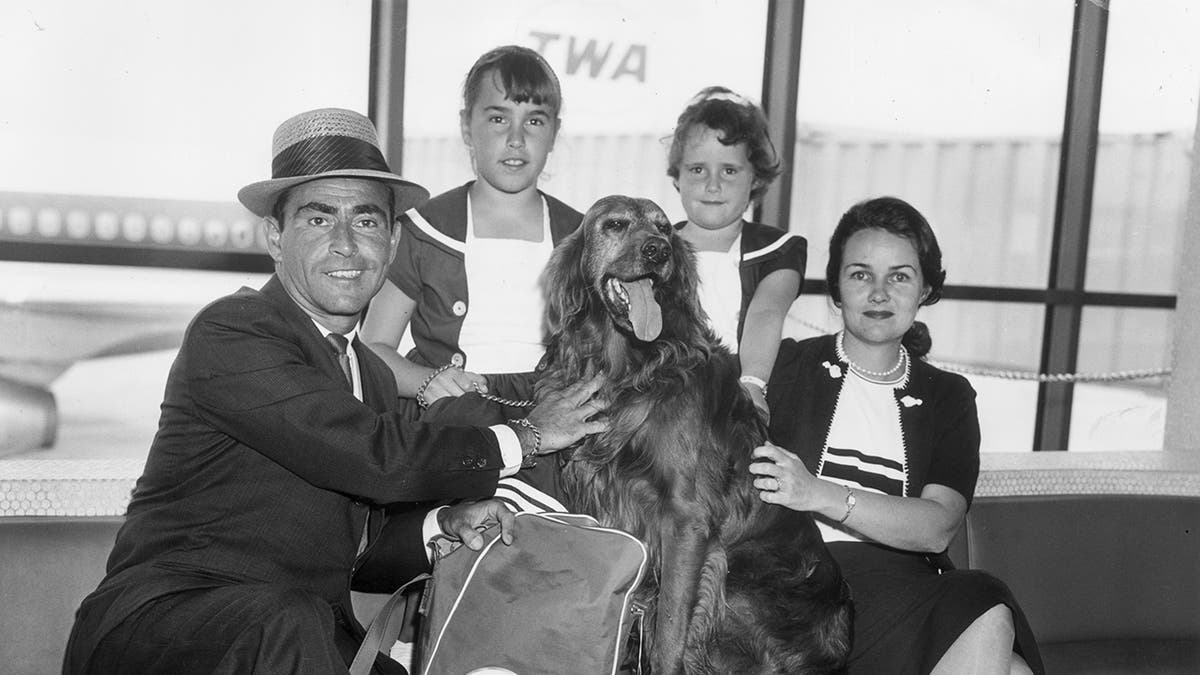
{"x": 251, "y": 376}
{"x": 402, "y": 550}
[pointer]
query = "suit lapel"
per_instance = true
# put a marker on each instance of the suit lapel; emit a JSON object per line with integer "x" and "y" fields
{"x": 320, "y": 353}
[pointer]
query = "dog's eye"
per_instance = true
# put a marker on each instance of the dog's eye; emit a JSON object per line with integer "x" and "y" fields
{"x": 616, "y": 224}
{"x": 665, "y": 228}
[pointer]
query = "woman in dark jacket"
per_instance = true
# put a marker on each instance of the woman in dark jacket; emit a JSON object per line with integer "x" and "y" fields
{"x": 883, "y": 449}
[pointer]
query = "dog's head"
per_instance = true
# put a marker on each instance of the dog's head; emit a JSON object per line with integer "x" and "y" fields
{"x": 626, "y": 255}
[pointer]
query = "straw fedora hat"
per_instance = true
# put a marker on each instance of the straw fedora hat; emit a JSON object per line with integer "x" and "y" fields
{"x": 326, "y": 143}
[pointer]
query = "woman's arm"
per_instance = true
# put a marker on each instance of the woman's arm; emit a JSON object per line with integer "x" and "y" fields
{"x": 384, "y": 326}
{"x": 762, "y": 328}
{"x": 924, "y": 524}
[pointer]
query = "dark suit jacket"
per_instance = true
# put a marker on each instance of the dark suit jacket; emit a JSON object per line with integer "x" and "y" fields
{"x": 265, "y": 465}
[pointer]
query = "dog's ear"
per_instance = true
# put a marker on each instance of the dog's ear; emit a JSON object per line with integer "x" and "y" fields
{"x": 564, "y": 284}
{"x": 685, "y": 285}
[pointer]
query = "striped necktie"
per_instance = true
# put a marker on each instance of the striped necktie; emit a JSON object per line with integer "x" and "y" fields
{"x": 339, "y": 343}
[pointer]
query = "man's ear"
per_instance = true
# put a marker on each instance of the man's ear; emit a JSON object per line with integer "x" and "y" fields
{"x": 395, "y": 241}
{"x": 273, "y": 231}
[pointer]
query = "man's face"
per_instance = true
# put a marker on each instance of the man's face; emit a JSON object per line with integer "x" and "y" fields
{"x": 333, "y": 248}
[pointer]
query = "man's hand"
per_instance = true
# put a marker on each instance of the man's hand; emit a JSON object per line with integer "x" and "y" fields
{"x": 563, "y": 417}
{"x": 463, "y": 522}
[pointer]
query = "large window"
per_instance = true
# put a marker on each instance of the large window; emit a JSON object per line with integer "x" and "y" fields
{"x": 1143, "y": 162}
{"x": 1049, "y": 143}
{"x": 127, "y": 129}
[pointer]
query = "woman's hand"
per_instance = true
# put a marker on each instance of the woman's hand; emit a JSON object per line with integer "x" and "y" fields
{"x": 453, "y": 382}
{"x": 782, "y": 478}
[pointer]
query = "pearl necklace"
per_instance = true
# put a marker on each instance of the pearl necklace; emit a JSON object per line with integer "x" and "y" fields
{"x": 901, "y": 359}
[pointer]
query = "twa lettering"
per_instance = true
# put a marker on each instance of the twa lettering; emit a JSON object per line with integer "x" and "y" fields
{"x": 593, "y": 57}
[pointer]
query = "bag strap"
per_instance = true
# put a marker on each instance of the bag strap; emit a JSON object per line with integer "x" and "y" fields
{"x": 385, "y": 626}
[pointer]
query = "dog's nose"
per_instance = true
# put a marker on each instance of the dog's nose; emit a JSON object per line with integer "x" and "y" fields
{"x": 656, "y": 250}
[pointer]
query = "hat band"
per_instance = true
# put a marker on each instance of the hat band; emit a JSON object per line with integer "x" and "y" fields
{"x": 319, "y": 155}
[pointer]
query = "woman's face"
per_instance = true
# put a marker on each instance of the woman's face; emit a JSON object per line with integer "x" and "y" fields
{"x": 881, "y": 286}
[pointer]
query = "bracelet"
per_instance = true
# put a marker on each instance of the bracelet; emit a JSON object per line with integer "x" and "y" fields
{"x": 756, "y": 381}
{"x": 851, "y": 500}
{"x": 529, "y": 459}
{"x": 425, "y": 385}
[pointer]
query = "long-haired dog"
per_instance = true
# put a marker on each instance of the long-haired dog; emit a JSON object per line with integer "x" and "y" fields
{"x": 739, "y": 586}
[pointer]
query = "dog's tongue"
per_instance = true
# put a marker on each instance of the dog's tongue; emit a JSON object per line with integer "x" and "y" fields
{"x": 644, "y": 312}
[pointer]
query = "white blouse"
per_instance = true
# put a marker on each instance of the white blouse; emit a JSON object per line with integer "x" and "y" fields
{"x": 865, "y": 448}
{"x": 721, "y": 290}
{"x": 502, "y": 330}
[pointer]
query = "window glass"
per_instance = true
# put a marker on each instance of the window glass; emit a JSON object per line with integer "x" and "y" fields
{"x": 172, "y": 100}
{"x": 914, "y": 99}
{"x": 1118, "y": 407}
{"x": 1143, "y": 161}
{"x": 627, "y": 69}
{"x": 128, "y": 129}
{"x": 101, "y": 339}
{"x": 994, "y": 345}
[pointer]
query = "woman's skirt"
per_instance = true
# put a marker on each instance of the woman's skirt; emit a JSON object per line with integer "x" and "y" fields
{"x": 907, "y": 613}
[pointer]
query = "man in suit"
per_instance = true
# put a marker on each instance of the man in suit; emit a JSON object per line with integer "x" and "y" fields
{"x": 281, "y": 437}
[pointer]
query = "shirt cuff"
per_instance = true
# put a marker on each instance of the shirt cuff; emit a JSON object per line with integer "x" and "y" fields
{"x": 510, "y": 449}
{"x": 431, "y": 529}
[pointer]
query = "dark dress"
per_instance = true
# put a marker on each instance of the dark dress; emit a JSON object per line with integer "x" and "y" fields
{"x": 909, "y": 607}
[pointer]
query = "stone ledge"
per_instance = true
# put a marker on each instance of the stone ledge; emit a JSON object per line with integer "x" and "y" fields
{"x": 1167, "y": 473}
{"x": 101, "y": 487}
{"x": 67, "y": 487}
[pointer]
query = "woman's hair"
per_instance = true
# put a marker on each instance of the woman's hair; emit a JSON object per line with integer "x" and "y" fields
{"x": 524, "y": 76}
{"x": 898, "y": 217}
{"x": 737, "y": 120}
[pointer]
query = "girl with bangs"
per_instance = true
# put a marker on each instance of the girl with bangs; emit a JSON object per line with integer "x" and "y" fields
{"x": 466, "y": 276}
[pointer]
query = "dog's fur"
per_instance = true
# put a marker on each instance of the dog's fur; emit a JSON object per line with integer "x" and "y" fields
{"x": 739, "y": 586}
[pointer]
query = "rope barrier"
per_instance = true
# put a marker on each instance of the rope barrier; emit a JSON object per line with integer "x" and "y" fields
{"x": 1029, "y": 375}
{"x": 1118, "y": 376}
